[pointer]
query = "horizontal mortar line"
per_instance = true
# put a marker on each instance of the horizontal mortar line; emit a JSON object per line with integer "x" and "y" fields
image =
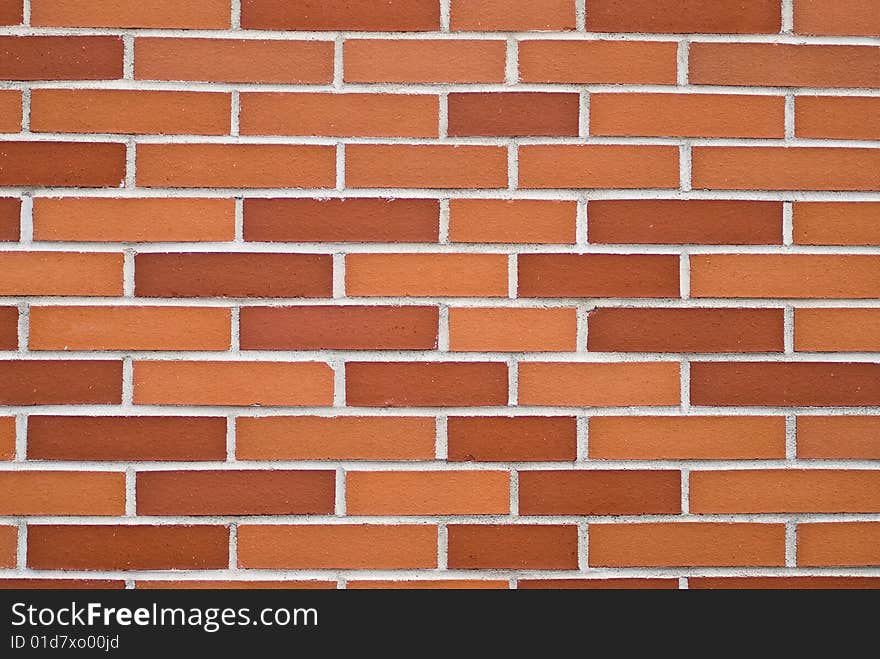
{"x": 433, "y": 465}
{"x": 429, "y": 520}
{"x": 495, "y": 411}
{"x": 487, "y": 141}
{"x": 394, "y": 356}
{"x": 464, "y": 303}
{"x": 432, "y": 88}
{"x": 299, "y": 574}
{"x": 427, "y": 248}
{"x": 562, "y": 194}
{"x": 331, "y": 35}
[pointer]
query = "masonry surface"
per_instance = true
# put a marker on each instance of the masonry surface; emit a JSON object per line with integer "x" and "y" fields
{"x": 440, "y": 293}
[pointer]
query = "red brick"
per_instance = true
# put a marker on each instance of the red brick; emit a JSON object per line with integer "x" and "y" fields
{"x": 780, "y": 583}
{"x": 234, "y": 60}
{"x": 685, "y": 330}
{"x": 430, "y": 584}
{"x": 339, "y": 328}
{"x": 129, "y": 547}
{"x": 60, "y": 58}
{"x": 691, "y": 221}
{"x": 511, "y": 439}
{"x": 10, "y": 219}
{"x": 240, "y": 584}
{"x": 838, "y": 544}
{"x": 7, "y": 437}
{"x": 129, "y": 111}
{"x": 130, "y": 220}
{"x": 233, "y": 275}
{"x": 598, "y": 275}
{"x": 10, "y": 109}
{"x": 784, "y": 65}
{"x": 346, "y": 115}
{"x": 687, "y": 544}
{"x": 130, "y": 438}
{"x": 837, "y": 117}
{"x": 269, "y": 492}
{"x": 232, "y": 383}
{"x": 427, "y": 492}
{"x": 8, "y": 328}
{"x": 56, "y": 382}
{"x": 341, "y": 546}
{"x": 11, "y": 12}
{"x": 799, "y": 384}
{"x": 621, "y": 384}
{"x": 61, "y": 584}
{"x": 513, "y": 546}
{"x": 598, "y": 62}
{"x": 686, "y": 16}
{"x": 8, "y": 546}
{"x": 426, "y": 384}
{"x": 424, "y": 60}
{"x": 598, "y": 584}
{"x": 556, "y": 492}
{"x": 335, "y": 438}
{"x": 314, "y": 15}
{"x": 342, "y": 220}
{"x": 62, "y": 164}
{"x": 513, "y": 114}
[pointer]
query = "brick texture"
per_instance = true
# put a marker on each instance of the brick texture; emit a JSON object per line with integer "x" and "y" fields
{"x": 423, "y": 294}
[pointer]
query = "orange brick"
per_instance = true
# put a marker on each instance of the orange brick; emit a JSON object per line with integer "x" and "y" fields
{"x": 511, "y": 439}
{"x": 598, "y": 166}
{"x": 524, "y": 221}
{"x": 686, "y": 16}
{"x": 430, "y": 584}
{"x": 60, "y": 273}
{"x": 837, "y": 117}
{"x": 340, "y": 546}
{"x": 426, "y": 275}
{"x": 504, "y": 114}
{"x": 232, "y": 383}
{"x": 512, "y": 15}
{"x": 424, "y": 61}
{"x": 837, "y": 17}
{"x": 598, "y": 62}
{"x": 512, "y": 330}
{"x": 687, "y": 544}
{"x": 598, "y": 385}
{"x": 791, "y": 168}
{"x": 124, "y": 111}
{"x": 98, "y": 219}
{"x": 427, "y": 492}
{"x": 838, "y": 544}
{"x": 234, "y": 60}
{"x": 837, "y": 330}
{"x": 335, "y": 438}
{"x": 10, "y": 219}
{"x": 205, "y": 15}
{"x": 425, "y": 166}
{"x": 129, "y": 328}
{"x": 7, "y": 437}
{"x": 62, "y": 493}
{"x": 346, "y": 115}
{"x": 513, "y": 546}
{"x": 236, "y": 166}
{"x": 687, "y": 438}
{"x": 687, "y": 115}
{"x": 784, "y": 65}
{"x": 240, "y": 584}
{"x": 597, "y": 584}
{"x": 61, "y": 584}
{"x": 836, "y": 223}
{"x": 785, "y": 490}
{"x": 8, "y": 546}
{"x": 9, "y": 328}
{"x": 11, "y": 12}
{"x": 838, "y": 437}
{"x": 10, "y": 111}
{"x": 779, "y": 583}
{"x": 784, "y": 276}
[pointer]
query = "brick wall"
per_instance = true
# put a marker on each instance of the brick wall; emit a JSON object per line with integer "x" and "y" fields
{"x": 440, "y": 293}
